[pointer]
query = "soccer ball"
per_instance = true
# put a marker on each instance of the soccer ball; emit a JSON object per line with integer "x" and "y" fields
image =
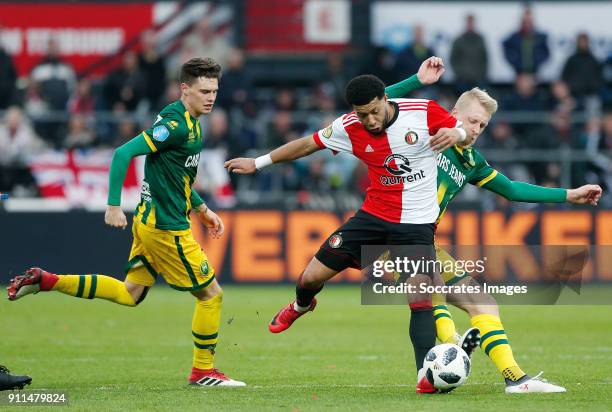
{"x": 447, "y": 367}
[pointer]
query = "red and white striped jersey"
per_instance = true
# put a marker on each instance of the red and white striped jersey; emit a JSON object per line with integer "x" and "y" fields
{"x": 401, "y": 164}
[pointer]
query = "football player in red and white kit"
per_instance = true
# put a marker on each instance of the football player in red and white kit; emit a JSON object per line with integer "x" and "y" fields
{"x": 397, "y": 139}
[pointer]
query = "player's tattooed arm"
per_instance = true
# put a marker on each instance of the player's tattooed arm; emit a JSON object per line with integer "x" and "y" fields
{"x": 290, "y": 151}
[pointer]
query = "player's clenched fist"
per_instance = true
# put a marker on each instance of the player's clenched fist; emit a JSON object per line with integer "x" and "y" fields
{"x": 431, "y": 70}
{"x": 115, "y": 217}
{"x": 241, "y": 165}
{"x": 587, "y": 194}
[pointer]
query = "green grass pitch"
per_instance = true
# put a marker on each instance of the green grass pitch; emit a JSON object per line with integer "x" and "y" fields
{"x": 343, "y": 356}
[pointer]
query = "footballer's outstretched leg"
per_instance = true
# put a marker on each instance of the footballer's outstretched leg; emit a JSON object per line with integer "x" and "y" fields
{"x": 90, "y": 286}
{"x": 484, "y": 315}
{"x": 494, "y": 342}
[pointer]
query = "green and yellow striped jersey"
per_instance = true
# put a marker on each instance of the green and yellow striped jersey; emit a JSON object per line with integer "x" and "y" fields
{"x": 176, "y": 142}
{"x": 458, "y": 167}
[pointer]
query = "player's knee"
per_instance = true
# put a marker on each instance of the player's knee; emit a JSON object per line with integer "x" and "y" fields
{"x": 307, "y": 281}
{"x": 217, "y": 291}
{"x": 141, "y": 297}
{"x": 137, "y": 292}
{"x": 210, "y": 292}
{"x": 310, "y": 280}
{"x": 484, "y": 309}
{"x": 316, "y": 274}
{"x": 484, "y": 303}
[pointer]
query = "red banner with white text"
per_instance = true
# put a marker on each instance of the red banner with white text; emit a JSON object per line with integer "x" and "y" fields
{"x": 85, "y": 32}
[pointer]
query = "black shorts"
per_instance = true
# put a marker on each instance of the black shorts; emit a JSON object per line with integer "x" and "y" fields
{"x": 343, "y": 248}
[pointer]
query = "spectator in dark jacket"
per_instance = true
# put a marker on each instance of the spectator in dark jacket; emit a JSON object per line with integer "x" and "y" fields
{"x": 409, "y": 60}
{"x": 469, "y": 58}
{"x": 236, "y": 83}
{"x": 125, "y": 86}
{"x": 527, "y": 48}
{"x": 582, "y": 71}
{"x": 153, "y": 70}
{"x": 525, "y": 98}
{"x": 55, "y": 81}
{"x": 55, "y": 77}
{"x": 381, "y": 63}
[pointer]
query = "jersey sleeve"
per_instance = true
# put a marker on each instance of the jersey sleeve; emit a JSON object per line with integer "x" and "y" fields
{"x": 334, "y": 137}
{"x": 196, "y": 199}
{"x": 524, "y": 192}
{"x": 404, "y": 87}
{"x": 165, "y": 133}
{"x": 438, "y": 118}
{"x": 484, "y": 172}
{"x": 119, "y": 165}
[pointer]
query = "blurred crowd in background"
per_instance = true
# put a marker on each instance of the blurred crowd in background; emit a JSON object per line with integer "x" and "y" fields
{"x": 54, "y": 108}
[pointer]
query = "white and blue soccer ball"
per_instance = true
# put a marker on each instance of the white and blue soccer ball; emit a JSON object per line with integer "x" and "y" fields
{"x": 447, "y": 367}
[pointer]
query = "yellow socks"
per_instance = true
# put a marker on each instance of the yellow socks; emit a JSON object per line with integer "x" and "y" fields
{"x": 494, "y": 340}
{"x": 205, "y": 329}
{"x": 445, "y": 327}
{"x": 495, "y": 344}
{"x": 94, "y": 286}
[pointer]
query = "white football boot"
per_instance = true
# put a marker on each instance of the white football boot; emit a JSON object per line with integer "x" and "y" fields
{"x": 535, "y": 385}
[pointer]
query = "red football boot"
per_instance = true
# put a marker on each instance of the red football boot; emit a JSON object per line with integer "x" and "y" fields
{"x": 32, "y": 281}
{"x": 423, "y": 384}
{"x": 212, "y": 377}
{"x": 286, "y": 316}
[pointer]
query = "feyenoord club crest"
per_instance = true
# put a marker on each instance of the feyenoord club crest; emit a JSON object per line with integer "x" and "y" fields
{"x": 327, "y": 132}
{"x": 411, "y": 137}
{"x": 335, "y": 241}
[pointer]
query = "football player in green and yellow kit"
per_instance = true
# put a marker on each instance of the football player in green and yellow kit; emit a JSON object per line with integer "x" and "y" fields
{"x": 462, "y": 165}
{"x": 163, "y": 242}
